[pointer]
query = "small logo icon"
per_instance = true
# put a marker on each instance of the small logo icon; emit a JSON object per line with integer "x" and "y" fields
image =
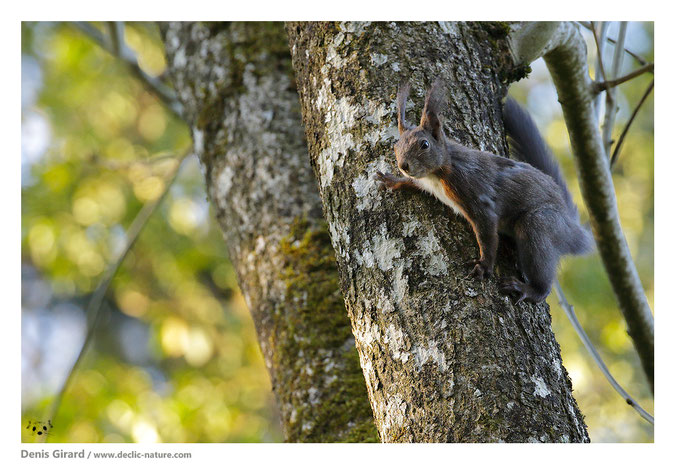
{"x": 39, "y": 428}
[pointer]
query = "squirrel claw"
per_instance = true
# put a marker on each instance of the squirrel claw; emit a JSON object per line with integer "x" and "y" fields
{"x": 383, "y": 178}
{"x": 479, "y": 272}
{"x": 513, "y": 287}
{"x": 388, "y": 181}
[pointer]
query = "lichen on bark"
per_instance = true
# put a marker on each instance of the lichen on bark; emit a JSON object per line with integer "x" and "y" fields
{"x": 238, "y": 91}
{"x": 445, "y": 358}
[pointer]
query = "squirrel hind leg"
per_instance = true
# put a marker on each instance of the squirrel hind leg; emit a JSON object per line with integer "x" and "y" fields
{"x": 522, "y": 290}
{"x": 537, "y": 261}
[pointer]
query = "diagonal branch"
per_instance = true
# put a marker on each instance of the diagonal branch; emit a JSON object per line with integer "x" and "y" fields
{"x": 600, "y": 45}
{"x": 572, "y": 317}
{"x": 600, "y": 41}
{"x": 611, "y": 103}
{"x": 616, "y": 152}
{"x": 601, "y": 86}
{"x": 641, "y": 61}
{"x": 115, "y": 45}
{"x": 94, "y": 307}
{"x": 567, "y": 64}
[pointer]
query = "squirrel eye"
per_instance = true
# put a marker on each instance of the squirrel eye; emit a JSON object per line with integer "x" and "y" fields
{"x": 424, "y": 144}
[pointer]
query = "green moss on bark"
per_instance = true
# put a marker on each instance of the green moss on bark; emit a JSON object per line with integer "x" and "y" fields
{"x": 317, "y": 326}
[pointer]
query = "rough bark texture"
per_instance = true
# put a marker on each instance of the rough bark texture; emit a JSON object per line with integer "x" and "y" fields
{"x": 235, "y": 83}
{"x": 445, "y": 358}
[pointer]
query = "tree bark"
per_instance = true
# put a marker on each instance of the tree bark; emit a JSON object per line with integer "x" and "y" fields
{"x": 236, "y": 84}
{"x": 445, "y": 358}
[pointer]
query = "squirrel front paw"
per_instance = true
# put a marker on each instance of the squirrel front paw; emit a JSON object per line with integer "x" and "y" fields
{"x": 387, "y": 180}
{"x": 391, "y": 181}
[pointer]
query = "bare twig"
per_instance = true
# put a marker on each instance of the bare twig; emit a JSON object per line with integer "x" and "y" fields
{"x": 94, "y": 307}
{"x": 600, "y": 47}
{"x": 611, "y": 104}
{"x": 117, "y": 165}
{"x": 642, "y": 61}
{"x": 601, "y": 86}
{"x": 572, "y": 317}
{"x": 116, "y": 46}
{"x": 114, "y": 37}
{"x": 616, "y": 151}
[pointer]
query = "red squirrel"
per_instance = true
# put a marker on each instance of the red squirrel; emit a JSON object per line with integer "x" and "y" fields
{"x": 528, "y": 200}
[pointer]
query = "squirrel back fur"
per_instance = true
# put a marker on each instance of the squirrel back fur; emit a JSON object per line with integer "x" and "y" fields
{"x": 526, "y": 144}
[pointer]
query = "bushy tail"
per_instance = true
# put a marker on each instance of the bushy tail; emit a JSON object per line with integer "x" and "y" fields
{"x": 526, "y": 144}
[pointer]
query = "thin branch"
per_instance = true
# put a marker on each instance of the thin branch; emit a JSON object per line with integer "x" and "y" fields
{"x": 616, "y": 152}
{"x": 94, "y": 307}
{"x": 600, "y": 47}
{"x": 601, "y": 86}
{"x": 114, "y": 37}
{"x": 572, "y": 317}
{"x": 117, "y": 165}
{"x": 611, "y": 104}
{"x": 116, "y": 46}
{"x": 642, "y": 61}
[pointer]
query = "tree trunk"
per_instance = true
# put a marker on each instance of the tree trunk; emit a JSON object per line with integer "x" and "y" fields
{"x": 446, "y": 358}
{"x": 236, "y": 84}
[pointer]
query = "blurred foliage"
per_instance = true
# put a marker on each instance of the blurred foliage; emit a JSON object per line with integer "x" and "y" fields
{"x": 176, "y": 357}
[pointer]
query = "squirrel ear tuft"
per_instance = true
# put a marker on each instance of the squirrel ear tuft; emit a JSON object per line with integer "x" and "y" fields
{"x": 402, "y": 95}
{"x": 434, "y": 103}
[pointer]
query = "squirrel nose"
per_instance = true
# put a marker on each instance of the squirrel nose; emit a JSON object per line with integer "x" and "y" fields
{"x": 404, "y": 166}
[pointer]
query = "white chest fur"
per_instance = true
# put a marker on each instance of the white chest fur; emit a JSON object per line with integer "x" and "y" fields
{"x": 432, "y": 185}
